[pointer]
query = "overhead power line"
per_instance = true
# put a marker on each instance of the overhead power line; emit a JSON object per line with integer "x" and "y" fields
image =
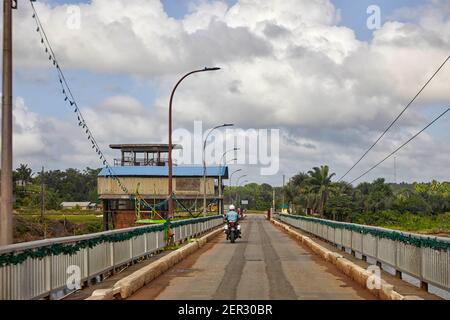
{"x": 404, "y": 144}
{"x": 396, "y": 118}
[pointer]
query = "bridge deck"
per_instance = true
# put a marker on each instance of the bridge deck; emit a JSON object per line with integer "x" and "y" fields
{"x": 264, "y": 264}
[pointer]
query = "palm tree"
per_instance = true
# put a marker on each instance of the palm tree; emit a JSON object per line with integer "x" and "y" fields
{"x": 320, "y": 180}
{"x": 23, "y": 174}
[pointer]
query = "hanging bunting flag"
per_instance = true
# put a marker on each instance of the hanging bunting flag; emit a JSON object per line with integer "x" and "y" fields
{"x": 64, "y": 85}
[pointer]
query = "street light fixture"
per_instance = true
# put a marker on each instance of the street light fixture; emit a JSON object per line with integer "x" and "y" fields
{"x": 231, "y": 175}
{"x": 240, "y": 185}
{"x": 237, "y": 183}
{"x": 225, "y": 153}
{"x": 220, "y": 207}
{"x": 170, "y": 201}
{"x": 204, "y": 162}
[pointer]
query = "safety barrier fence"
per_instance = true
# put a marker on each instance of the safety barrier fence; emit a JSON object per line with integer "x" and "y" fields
{"x": 36, "y": 269}
{"x": 426, "y": 258}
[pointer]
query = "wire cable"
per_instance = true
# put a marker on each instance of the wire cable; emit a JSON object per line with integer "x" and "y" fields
{"x": 70, "y": 97}
{"x": 404, "y": 144}
{"x": 396, "y": 118}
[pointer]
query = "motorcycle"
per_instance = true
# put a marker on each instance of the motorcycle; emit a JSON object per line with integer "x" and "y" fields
{"x": 232, "y": 230}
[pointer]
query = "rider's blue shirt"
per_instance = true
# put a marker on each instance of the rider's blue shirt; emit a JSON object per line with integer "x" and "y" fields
{"x": 232, "y": 216}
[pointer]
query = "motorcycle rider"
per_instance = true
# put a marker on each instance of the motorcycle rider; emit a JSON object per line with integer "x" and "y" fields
{"x": 232, "y": 216}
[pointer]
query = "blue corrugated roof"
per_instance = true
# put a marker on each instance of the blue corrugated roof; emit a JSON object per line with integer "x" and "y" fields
{"x": 160, "y": 171}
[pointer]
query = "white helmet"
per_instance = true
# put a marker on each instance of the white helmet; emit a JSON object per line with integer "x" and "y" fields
{"x": 231, "y": 207}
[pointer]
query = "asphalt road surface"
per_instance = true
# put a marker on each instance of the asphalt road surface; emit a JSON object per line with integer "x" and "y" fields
{"x": 264, "y": 264}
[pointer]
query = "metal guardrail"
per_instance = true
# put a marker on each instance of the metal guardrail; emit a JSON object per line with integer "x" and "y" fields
{"x": 426, "y": 258}
{"x": 27, "y": 274}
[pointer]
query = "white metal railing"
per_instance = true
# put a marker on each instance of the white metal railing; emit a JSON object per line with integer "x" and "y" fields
{"x": 37, "y": 277}
{"x": 426, "y": 258}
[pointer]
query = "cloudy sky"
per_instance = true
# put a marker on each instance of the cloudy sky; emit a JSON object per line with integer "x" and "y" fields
{"x": 310, "y": 68}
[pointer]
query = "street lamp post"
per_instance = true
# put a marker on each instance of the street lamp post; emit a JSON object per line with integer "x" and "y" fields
{"x": 231, "y": 175}
{"x": 220, "y": 176}
{"x": 240, "y": 185}
{"x": 170, "y": 200}
{"x": 237, "y": 183}
{"x": 204, "y": 162}
{"x": 220, "y": 185}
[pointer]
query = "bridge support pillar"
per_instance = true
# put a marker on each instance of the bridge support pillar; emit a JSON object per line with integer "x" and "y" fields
{"x": 105, "y": 215}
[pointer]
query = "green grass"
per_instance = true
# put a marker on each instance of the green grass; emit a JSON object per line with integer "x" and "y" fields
{"x": 72, "y": 218}
{"x": 36, "y": 211}
{"x": 420, "y": 223}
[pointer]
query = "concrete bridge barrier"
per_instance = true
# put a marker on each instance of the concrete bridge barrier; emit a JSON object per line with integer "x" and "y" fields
{"x": 40, "y": 269}
{"x": 125, "y": 287}
{"x": 426, "y": 258}
{"x": 352, "y": 270}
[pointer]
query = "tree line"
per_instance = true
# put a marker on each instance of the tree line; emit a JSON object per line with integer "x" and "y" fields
{"x": 68, "y": 185}
{"x": 365, "y": 202}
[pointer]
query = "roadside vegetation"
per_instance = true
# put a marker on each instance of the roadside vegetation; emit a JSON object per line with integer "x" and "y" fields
{"x": 59, "y": 186}
{"x": 416, "y": 207}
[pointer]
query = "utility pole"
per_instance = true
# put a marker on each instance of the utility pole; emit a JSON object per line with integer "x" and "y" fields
{"x": 395, "y": 170}
{"x": 6, "y": 194}
{"x": 273, "y": 199}
{"x": 283, "y": 190}
{"x": 42, "y": 195}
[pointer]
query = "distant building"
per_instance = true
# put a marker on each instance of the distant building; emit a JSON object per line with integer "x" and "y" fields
{"x": 143, "y": 168}
{"x": 82, "y": 205}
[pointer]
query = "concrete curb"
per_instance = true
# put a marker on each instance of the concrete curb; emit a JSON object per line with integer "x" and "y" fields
{"x": 125, "y": 287}
{"x": 360, "y": 275}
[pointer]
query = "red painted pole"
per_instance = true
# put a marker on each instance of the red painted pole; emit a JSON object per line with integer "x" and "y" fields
{"x": 170, "y": 201}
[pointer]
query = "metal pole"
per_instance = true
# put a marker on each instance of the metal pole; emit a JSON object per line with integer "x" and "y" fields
{"x": 42, "y": 195}
{"x": 220, "y": 178}
{"x": 237, "y": 186}
{"x": 170, "y": 188}
{"x": 239, "y": 196}
{"x": 6, "y": 194}
{"x": 232, "y": 175}
{"x": 220, "y": 183}
{"x": 204, "y": 163}
{"x": 283, "y": 190}
{"x": 273, "y": 200}
{"x": 395, "y": 169}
